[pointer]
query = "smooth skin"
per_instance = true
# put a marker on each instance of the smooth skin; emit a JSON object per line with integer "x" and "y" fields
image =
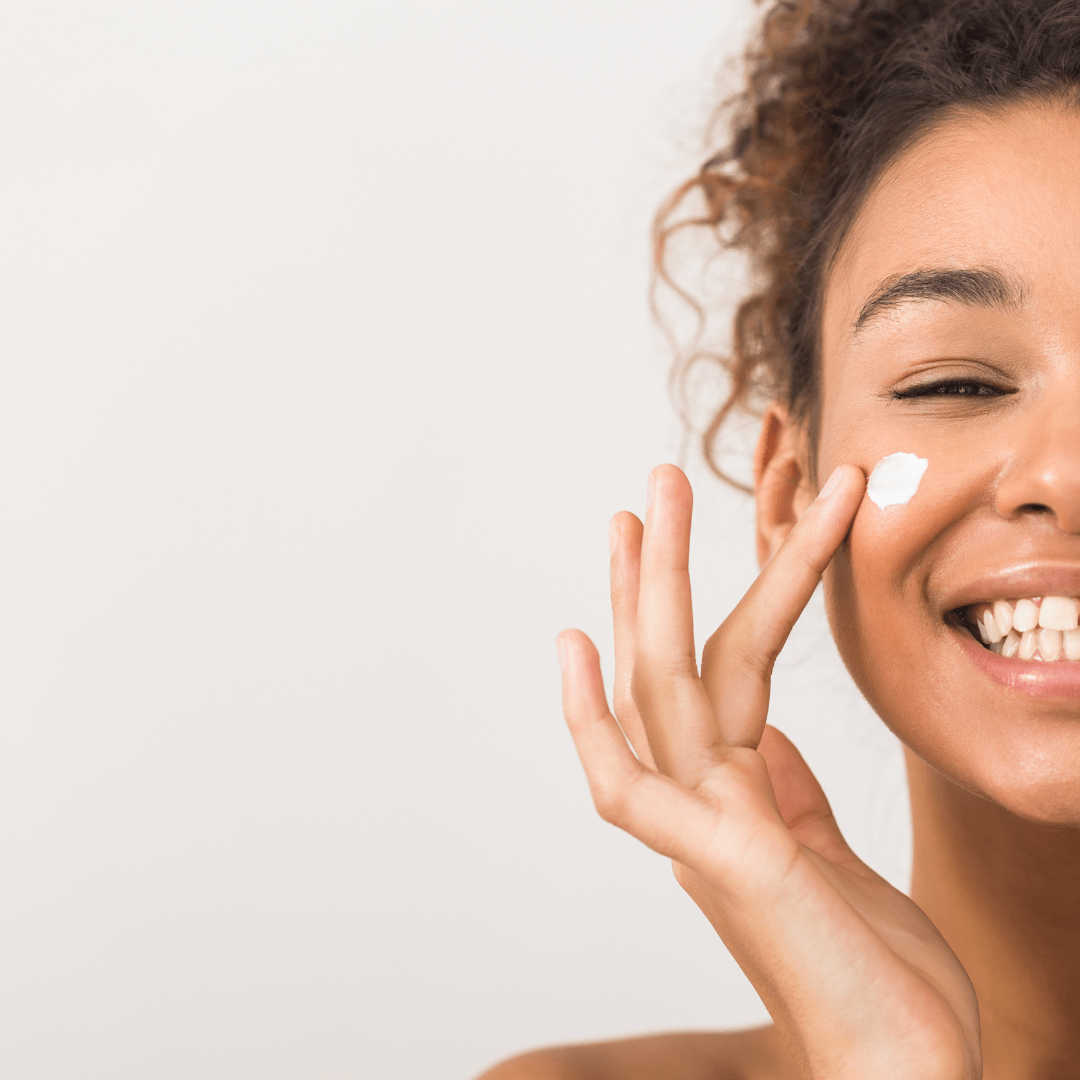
{"x": 860, "y": 980}
{"x": 856, "y": 977}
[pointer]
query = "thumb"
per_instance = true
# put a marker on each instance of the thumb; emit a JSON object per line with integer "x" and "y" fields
{"x": 800, "y": 798}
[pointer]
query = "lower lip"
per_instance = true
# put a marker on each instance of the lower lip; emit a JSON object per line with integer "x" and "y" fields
{"x": 1057, "y": 678}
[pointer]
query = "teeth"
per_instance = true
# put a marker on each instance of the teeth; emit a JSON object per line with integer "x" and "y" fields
{"x": 990, "y": 627}
{"x": 1049, "y": 643}
{"x": 1003, "y": 616}
{"x": 1025, "y": 615}
{"x": 1032, "y": 628}
{"x": 1058, "y": 613}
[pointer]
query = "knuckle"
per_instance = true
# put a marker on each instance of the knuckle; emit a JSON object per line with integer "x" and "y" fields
{"x": 812, "y": 561}
{"x": 758, "y": 659}
{"x": 750, "y": 655}
{"x": 661, "y": 666}
{"x": 610, "y": 803}
{"x": 613, "y": 797}
{"x": 750, "y": 644}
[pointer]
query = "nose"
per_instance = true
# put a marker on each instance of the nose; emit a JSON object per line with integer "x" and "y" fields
{"x": 1042, "y": 478}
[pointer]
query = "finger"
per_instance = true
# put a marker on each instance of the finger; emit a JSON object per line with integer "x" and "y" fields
{"x": 625, "y": 570}
{"x": 738, "y": 659}
{"x": 675, "y": 710}
{"x": 800, "y": 798}
{"x": 651, "y": 807}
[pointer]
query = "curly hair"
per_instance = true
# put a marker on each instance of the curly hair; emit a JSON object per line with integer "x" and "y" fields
{"x": 835, "y": 90}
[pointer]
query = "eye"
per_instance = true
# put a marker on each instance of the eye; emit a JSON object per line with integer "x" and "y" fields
{"x": 951, "y": 388}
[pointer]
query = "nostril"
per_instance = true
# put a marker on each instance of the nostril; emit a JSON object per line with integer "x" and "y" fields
{"x": 1034, "y": 508}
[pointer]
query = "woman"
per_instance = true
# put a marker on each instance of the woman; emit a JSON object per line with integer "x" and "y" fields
{"x": 905, "y": 176}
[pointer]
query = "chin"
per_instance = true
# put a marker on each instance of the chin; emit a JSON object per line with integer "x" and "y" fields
{"x": 1039, "y": 782}
{"x": 1002, "y": 728}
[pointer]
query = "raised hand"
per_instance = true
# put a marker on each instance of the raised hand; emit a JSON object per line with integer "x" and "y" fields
{"x": 856, "y": 977}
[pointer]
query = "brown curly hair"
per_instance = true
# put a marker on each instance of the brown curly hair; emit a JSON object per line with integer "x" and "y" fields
{"x": 835, "y": 90}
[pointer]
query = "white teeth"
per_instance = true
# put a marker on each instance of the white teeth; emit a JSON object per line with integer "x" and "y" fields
{"x": 1003, "y": 616}
{"x": 1034, "y": 628}
{"x": 989, "y": 627}
{"x": 1025, "y": 615}
{"x": 1049, "y": 643}
{"x": 1058, "y": 613}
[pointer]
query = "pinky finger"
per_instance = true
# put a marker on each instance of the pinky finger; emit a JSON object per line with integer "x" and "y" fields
{"x": 653, "y": 808}
{"x": 609, "y": 763}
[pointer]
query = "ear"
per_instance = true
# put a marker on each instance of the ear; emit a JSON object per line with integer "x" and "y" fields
{"x": 782, "y": 484}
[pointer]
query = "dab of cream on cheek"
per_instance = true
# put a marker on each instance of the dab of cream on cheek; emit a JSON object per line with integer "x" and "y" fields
{"x": 895, "y": 479}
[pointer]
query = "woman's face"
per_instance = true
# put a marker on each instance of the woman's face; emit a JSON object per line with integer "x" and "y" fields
{"x": 979, "y": 373}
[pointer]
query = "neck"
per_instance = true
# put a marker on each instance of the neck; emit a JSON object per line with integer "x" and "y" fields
{"x": 1005, "y": 893}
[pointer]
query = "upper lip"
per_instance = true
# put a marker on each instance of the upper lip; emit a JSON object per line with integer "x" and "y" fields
{"x": 1021, "y": 579}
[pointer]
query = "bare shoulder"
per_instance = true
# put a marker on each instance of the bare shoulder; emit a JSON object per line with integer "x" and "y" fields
{"x": 755, "y": 1054}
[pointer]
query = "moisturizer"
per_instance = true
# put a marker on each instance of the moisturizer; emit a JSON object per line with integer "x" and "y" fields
{"x": 895, "y": 479}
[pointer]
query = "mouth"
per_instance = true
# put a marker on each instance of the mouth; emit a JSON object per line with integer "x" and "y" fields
{"x": 1042, "y": 629}
{"x": 1020, "y": 627}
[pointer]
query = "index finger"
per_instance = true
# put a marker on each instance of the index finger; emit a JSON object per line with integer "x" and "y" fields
{"x": 738, "y": 659}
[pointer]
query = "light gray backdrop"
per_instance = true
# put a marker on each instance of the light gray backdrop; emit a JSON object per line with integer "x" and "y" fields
{"x": 325, "y": 360}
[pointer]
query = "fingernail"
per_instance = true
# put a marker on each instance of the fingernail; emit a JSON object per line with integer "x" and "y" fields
{"x": 560, "y": 649}
{"x": 613, "y": 536}
{"x": 831, "y": 484}
{"x": 649, "y": 493}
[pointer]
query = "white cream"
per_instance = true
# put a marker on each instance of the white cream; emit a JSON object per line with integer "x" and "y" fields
{"x": 895, "y": 479}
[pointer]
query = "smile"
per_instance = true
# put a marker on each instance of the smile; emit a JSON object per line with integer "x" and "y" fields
{"x": 1041, "y": 628}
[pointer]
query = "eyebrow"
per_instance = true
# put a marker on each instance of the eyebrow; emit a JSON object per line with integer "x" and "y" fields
{"x": 984, "y": 287}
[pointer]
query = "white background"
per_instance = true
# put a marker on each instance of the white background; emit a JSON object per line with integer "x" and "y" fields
{"x": 325, "y": 359}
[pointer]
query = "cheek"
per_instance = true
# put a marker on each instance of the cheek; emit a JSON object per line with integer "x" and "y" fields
{"x": 904, "y": 656}
{"x": 876, "y": 588}
{"x": 888, "y": 544}
{"x": 890, "y": 549}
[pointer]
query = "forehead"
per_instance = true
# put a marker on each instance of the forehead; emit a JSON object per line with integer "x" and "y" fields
{"x": 998, "y": 190}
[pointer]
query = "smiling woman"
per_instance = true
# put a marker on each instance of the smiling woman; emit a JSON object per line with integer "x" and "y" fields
{"x": 903, "y": 178}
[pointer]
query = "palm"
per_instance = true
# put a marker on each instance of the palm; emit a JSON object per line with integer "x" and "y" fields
{"x": 858, "y": 979}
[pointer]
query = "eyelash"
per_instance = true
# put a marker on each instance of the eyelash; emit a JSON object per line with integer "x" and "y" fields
{"x": 951, "y": 388}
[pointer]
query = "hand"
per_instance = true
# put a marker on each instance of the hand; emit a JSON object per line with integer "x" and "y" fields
{"x": 857, "y": 978}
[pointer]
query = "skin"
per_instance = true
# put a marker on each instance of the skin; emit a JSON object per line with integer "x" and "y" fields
{"x": 975, "y": 974}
